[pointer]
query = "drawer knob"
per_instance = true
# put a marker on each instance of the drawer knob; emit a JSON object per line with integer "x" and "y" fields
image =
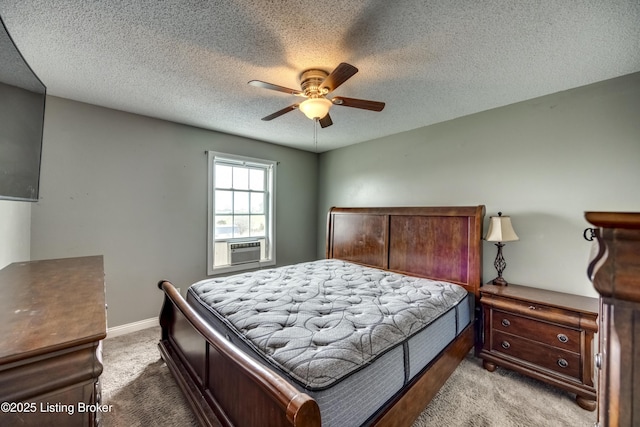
{"x": 531, "y": 307}
{"x": 563, "y": 338}
{"x": 505, "y": 344}
{"x": 563, "y": 363}
{"x": 598, "y": 360}
{"x": 505, "y": 322}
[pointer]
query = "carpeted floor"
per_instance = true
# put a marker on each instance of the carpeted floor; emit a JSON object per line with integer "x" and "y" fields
{"x": 142, "y": 392}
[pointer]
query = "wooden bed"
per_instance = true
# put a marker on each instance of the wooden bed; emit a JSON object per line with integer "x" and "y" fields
{"x": 227, "y": 387}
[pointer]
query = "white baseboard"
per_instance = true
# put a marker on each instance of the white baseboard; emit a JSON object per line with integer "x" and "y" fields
{"x": 132, "y": 327}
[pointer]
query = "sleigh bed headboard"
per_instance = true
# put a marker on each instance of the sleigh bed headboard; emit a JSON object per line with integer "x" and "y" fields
{"x": 441, "y": 243}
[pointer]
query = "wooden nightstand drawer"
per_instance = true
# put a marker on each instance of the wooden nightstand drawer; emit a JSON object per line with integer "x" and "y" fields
{"x": 546, "y": 333}
{"x": 536, "y": 310}
{"x": 560, "y": 361}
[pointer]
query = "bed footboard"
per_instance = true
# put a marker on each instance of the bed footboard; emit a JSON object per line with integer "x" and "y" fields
{"x": 219, "y": 380}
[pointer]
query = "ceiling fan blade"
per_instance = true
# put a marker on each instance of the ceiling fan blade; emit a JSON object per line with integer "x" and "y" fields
{"x": 341, "y": 74}
{"x": 265, "y": 85}
{"x": 358, "y": 103}
{"x": 280, "y": 112}
{"x": 325, "y": 121}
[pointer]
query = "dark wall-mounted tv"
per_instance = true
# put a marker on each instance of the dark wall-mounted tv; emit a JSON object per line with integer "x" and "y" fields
{"x": 22, "y": 101}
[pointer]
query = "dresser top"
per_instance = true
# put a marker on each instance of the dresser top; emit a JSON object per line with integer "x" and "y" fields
{"x": 614, "y": 219}
{"x": 542, "y": 296}
{"x": 50, "y": 305}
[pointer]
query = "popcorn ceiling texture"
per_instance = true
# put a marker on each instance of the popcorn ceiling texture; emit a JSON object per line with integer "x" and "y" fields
{"x": 189, "y": 61}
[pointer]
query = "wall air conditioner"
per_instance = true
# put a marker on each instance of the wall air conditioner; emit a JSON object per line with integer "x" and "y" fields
{"x": 243, "y": 252}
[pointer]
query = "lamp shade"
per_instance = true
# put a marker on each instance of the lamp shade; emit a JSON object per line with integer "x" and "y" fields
{"x": 500, "y": 229}
{"x": 315, "y": 108}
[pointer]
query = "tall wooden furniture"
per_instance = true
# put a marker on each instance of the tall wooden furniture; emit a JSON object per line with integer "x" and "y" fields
{"x": 543, "y": 334}
{"x": 615, "y": 272}
{"x": 52, "y": 320}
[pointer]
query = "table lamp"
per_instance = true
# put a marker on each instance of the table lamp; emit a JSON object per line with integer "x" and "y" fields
{"x": 500, "y": 230}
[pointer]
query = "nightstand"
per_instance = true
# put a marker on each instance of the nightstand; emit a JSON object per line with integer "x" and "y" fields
{"x": 542, "y": 334}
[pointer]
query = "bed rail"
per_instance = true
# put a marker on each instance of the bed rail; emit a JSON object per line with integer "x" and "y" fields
{"x": 239, "y": 380}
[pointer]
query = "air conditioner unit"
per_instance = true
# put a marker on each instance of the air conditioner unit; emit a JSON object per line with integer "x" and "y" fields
{"x": 243, "y": 252}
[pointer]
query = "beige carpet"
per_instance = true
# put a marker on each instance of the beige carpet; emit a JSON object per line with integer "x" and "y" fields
{"x": 142, "y": 392}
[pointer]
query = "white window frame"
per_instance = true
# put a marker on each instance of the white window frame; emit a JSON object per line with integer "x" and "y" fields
{"x": 270, "y": 167}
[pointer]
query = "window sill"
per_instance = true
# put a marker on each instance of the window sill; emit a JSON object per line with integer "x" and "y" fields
{"x": 239, "y": 267}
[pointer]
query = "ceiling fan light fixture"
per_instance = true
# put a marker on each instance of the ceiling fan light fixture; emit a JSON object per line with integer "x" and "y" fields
{"x": 315, "y": 108}
{"x": 314, "y": 85}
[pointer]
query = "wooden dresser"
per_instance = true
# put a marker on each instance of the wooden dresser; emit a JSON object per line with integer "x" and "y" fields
{"x": 544, "y": 334}
{"x": 52, "y": 321}
{"x": 615, "y": 272}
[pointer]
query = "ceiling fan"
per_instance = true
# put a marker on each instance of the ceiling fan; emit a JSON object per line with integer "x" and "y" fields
{"x": 315, "y": 84}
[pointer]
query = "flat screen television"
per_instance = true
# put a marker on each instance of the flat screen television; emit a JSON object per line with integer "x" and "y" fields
{"x": 22, "y": 102}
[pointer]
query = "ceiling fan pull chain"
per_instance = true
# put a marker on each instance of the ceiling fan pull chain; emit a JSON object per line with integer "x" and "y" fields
{"x": 315, "y": 134}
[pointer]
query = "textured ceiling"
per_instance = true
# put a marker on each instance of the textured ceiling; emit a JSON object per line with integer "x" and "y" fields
{"x": 189, "y": 61}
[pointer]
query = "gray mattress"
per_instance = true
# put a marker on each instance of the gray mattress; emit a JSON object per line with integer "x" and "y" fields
{"x": 349, "y": 336}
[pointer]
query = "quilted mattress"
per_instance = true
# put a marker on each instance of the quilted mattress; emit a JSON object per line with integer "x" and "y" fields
{"x": 348, "y": 335}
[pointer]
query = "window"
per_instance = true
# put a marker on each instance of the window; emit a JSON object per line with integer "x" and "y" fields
{"x": 241, "y": 215}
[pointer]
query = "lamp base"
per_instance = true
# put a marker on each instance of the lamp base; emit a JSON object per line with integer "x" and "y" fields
{"x": 499, "y": 281}
{"x": 500, "y": 264}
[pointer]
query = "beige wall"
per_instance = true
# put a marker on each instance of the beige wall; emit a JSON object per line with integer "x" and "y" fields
{"x": 134, "y": 189}
{"x": 543, "y": 162}
{"x": 15, "y": 231}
